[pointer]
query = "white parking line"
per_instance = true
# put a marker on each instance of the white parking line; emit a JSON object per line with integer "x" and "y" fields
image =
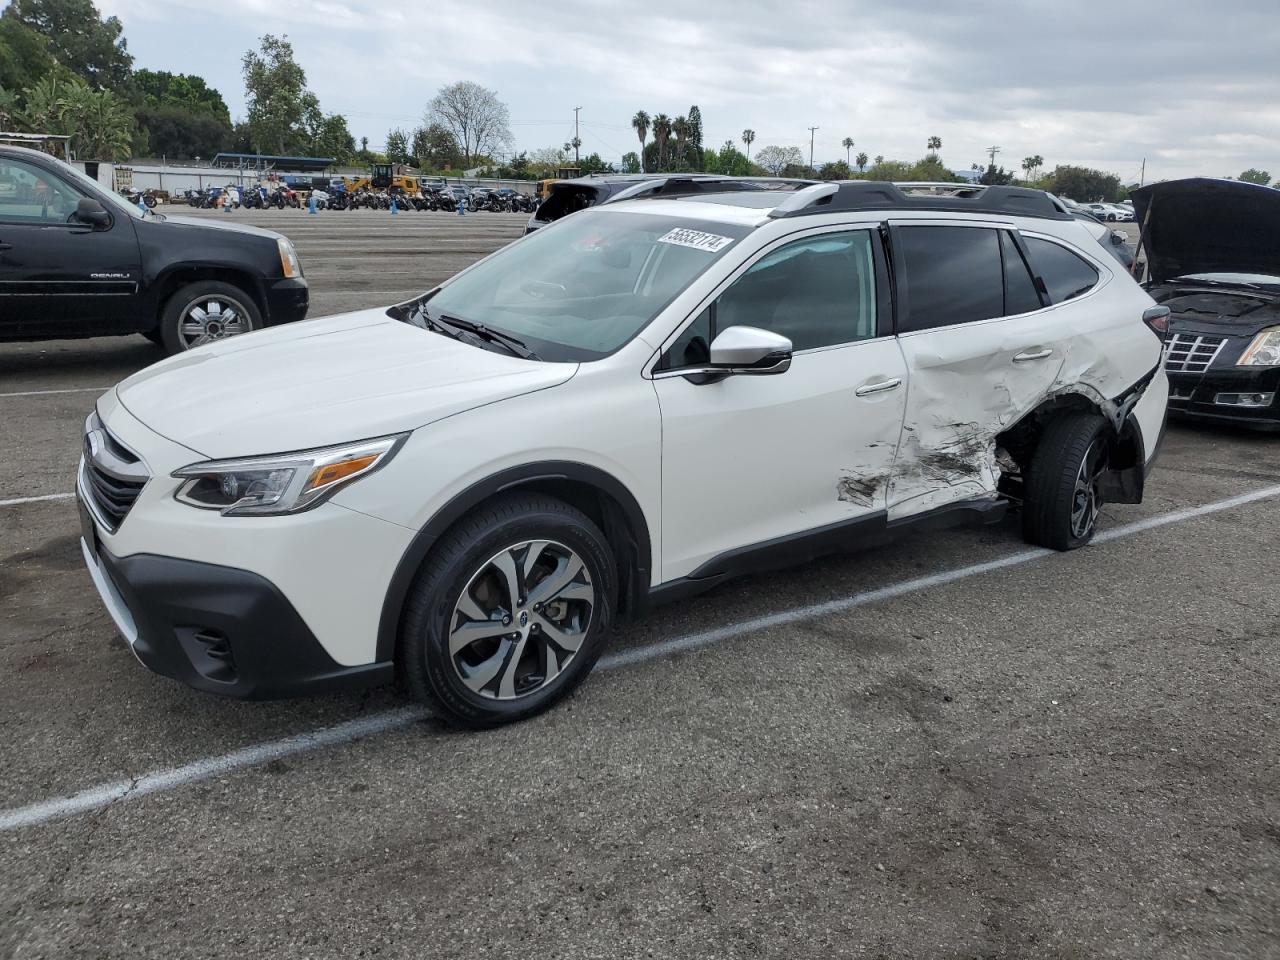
{"x": 95, "y": 798}
{"x": 46, "y": 393}
{"x": 48, "y": 496}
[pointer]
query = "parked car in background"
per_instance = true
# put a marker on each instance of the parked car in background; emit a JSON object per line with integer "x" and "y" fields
{"x": 78, "y": 261}
{"x": 635, "y": 405}
{"x": 569, "y": 196}
{"x": 1213, "y": 258}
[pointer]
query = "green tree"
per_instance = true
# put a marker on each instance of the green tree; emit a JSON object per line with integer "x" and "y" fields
{"x": 276, "y": 97}
{"x": 594, "y": 163}
{"x": 330, "y": 137}
{"x": 680, "y": 127}
{"x": 861, "y": 161}
{"x": 397, "y": 146}
{"x": 935, "y": 144}
{"x": 995, "y": 176}
{"x": 694, "y": 155}
{"x": 661, "y": 134}
{"x": 25, "y": 56}
{"x": 728, "y": 160}
{"x": 847, "y": 143}
{"x": 78, "y": 39}
{"x": 434, "y": 148}
{"x": 836, "y": 170}
{"x": 1253, "y": 175}
{"x": 1083, "y": 184}
{"x": 177, "y": 133}
{"x": 640, "y": 123}
{"x": 99, "y": 123}
{"x": 748, "y": 138}
{"x": 631, "y": 162}
{"x": 160, "y": 88}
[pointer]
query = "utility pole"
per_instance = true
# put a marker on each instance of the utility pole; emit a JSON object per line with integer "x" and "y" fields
{"x": 576, "y": 141}
{"x": 811, "y": 129}
{"x": 991, "y": 152}
{"x": 1142, "y": 177}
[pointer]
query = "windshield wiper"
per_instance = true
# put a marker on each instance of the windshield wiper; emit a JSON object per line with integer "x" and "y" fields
{"x": 513, "y": 345}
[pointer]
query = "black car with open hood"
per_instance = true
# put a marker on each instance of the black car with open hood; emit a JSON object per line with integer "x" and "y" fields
{"x": 1213, "y": 258}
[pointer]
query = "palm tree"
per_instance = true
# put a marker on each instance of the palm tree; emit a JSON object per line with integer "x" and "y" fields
{"x": 879, "y": 159}
{"x": 748, "y": 137}
{"x": 661, "y": 132}
{"x": 641, "y": 124}
{"x": 847, "y": 143}
{"x": 1028, "y": 163}
{"x": 861, "y": 161}
{"x": 935, "y": 144}
{"x": 680, "y": 127}
{"x": 1037, "y": 162}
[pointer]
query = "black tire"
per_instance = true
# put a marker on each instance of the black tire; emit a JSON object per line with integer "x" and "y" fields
{"x": 423, "y": 659}
{"x": 1056, "y": 513}
{"x": 178, "y": 304}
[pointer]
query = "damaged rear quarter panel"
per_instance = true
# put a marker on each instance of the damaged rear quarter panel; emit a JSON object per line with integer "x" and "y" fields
{"x": 966, "y": 387}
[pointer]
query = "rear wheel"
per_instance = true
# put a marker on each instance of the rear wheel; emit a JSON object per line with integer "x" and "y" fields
{"x": 509, "y": 613}
{"x": 1062, "y": 491}
{"x": 206, "y": 311}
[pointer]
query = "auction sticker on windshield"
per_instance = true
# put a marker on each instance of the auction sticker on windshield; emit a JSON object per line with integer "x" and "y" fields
{"x": 683, "y": 237}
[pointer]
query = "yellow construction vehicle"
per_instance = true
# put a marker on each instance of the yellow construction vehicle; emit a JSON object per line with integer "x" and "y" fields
{"x": 563, "y": 173}
{"x": 384, "y": 176}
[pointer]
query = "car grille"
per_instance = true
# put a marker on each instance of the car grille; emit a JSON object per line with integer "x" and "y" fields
{"x": 113, "y": 476}
{"x": 1191, "y": 353}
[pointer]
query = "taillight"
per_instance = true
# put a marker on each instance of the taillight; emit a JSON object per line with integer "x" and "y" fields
{"x": 1157, "y": 318}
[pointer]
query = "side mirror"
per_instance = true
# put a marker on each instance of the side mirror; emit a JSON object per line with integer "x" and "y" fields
{"x": 750, "y": 350}
{"x": 90, "y": 211}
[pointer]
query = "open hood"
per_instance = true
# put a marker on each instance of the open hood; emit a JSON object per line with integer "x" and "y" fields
{"x": 1201, "y": 225}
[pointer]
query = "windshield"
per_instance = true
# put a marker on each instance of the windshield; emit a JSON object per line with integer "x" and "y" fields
{"x": 583, "y": 288}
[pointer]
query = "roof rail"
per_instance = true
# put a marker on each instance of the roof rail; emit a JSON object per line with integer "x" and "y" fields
{"x": 871, "y": 195}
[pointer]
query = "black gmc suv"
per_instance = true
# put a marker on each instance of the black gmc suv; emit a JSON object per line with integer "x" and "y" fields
{"x": 77, "y": 261}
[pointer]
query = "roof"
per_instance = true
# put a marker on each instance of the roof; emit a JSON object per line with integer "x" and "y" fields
{"x": 312, "y": 164}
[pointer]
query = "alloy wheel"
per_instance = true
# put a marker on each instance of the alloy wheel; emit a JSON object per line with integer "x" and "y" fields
{"x": 211, "y": 318}
{"x": 1086, "y": 499}
{"x": 521, "y": 619}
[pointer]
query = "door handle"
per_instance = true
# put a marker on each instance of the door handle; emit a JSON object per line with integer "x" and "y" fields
{"x": 1032, "y": 355}
{"x": 880, "y": 386}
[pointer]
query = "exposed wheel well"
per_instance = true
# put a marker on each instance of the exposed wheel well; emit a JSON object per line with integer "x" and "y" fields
{"x": 604, "y": 500}
{"x": 176, "y": 279}
{"x": 1126, "y": 454}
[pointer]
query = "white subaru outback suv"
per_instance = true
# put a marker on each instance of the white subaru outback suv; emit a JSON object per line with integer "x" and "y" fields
{"x": 635, "y": 403}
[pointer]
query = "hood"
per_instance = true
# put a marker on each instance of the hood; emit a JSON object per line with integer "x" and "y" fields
{"x": 321, "y": 382}
{"x": 1200, "y": 225}
{"x": 208, "y": 223}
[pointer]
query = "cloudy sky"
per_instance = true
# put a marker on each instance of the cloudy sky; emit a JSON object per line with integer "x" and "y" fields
{"x": 1194, "y": 87}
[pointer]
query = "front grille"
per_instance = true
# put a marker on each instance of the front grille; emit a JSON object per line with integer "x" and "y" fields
{"x": 1191, "y": 353}
{"x": 113, "y": 475}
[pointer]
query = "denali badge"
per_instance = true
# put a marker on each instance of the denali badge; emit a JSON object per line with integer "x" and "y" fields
{"x": 108, "y": 276}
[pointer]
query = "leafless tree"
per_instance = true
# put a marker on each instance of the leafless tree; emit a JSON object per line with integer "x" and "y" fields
{"x": 474, "y": 115}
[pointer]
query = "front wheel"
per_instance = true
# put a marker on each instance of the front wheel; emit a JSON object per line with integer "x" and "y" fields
{"x": 1062, "y": 491}
{"x": 206, "y": 311}
{"x": 509, "y": 613}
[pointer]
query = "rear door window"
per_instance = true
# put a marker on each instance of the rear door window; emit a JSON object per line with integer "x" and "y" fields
{"x": 953, "y": 275}
{"x": 1065, "y": 274}
{"x": 1020, "y": 294}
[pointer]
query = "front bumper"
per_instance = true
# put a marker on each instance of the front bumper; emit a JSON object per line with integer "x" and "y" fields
{"x": 217, "y": 629}
{"x": 286, "y": 300}
{"x": 1193, "y": 396}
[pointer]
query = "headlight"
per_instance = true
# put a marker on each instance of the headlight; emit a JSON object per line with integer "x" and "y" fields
{"x": 1264, "y": 351}
{"x": 287, "y": 483}
{"x": 289, "y": 259}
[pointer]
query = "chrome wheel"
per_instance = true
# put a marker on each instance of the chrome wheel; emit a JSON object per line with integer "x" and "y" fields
{"x": 212, "y": 317}
{"x": 521, "y": 619}
{"x": 1086, "y": 501}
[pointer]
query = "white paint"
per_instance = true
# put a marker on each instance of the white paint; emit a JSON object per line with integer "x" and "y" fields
{"x": 98, "y": 797}
{"x": 49, "y": 393}
{"x": 16, "y": 501}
